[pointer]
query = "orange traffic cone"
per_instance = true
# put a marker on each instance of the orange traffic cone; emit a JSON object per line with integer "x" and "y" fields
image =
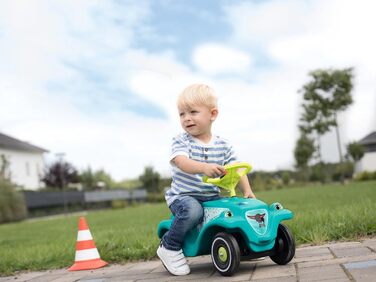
{"x": 87, "y": 256}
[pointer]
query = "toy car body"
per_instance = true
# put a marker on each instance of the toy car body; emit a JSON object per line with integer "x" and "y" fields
{"x": 237, "y": 228}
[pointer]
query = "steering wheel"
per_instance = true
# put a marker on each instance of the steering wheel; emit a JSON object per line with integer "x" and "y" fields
{"x": 229, "y": 180}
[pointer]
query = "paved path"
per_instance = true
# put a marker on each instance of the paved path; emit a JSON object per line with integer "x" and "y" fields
{"x": 348, "y": 261}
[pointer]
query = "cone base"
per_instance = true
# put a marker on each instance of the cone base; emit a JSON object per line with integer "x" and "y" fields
{"x": 87, "y": 264}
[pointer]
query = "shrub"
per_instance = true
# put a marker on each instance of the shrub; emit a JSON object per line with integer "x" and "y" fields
{"x": 156, "y": 198}
{"x": 345, "y": 169}
{"x": 286, "y": 178}
{"x": 118, "y": 204}
{"x": 365, "y": 175}
{"x": 12, "y": 202}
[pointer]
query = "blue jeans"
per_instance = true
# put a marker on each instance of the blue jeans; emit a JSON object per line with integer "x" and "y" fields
{"x": 188, "y": 212}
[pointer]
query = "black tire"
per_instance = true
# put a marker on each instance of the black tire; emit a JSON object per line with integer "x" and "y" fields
{"x": 284, "y": 246}
{"x": 225, "y": 254}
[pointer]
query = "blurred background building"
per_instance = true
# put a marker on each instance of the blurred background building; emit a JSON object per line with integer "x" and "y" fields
{"x": 22, "y": 162}
{"x": 368, "y": 162}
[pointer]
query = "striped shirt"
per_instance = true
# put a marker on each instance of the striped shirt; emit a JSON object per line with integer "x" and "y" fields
{"x": 218, "y": 151}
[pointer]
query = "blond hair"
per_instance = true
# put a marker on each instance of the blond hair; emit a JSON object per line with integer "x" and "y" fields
{"x": 197, "y": 94}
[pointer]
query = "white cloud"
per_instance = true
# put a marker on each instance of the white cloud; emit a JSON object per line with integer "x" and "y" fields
{"x": 121, "y": 143}
{"x": 259, "y": 105}
{"x": 302, "y": 36}
{"x": 219, "y": 59}
{"x": 265, "y": 21}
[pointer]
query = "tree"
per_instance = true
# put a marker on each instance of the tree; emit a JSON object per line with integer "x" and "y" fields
{"x": 327, "y": 94}
{"x": 150, "y": 179}
{"x": 355, "y": 151}
{"x": 59, "y": 174}
{"x": 304, "y": 150}
{"x": 313, "y": 121}
{"x": 102, "y": 178}
{"x": 4, "y": 165}
{"x": 87, "y": 179}
{"x": 92, "y": 180}
{"x": 12, "y": 202}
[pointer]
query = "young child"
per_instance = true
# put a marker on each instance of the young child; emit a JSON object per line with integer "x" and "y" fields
{"x": 194, "y": 153}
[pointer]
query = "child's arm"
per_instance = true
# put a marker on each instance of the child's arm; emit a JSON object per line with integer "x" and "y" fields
{"x": 246, "y": 187}
{"x": 193, "y": 167}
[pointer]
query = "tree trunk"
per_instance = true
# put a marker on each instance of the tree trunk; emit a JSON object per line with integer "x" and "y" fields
{"x": 339, "y": 150}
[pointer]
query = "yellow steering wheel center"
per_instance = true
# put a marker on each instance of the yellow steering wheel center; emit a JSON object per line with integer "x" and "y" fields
{"x": 231, "y": 178}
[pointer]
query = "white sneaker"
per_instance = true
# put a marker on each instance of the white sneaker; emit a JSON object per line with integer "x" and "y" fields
{"x": 174, "y": 261}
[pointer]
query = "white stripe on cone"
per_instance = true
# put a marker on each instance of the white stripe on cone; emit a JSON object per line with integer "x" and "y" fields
{"x": 84, "y": 235}
{"x": 87, "y": 254}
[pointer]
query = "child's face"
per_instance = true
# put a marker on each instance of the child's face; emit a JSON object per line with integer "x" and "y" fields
{"x": 197, "y": 120}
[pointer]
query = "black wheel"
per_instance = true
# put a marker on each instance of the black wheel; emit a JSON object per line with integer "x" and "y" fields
{"x": 284, "y": 246}
{"x": 225, "y": 254}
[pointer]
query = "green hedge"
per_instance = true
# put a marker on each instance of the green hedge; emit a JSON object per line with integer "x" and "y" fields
{"x": 12, "y": 203}
{"x": 365, "y": 175}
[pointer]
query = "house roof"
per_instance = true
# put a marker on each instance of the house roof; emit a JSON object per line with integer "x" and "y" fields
{"x": 369, "y": 139}
{"x": 7, "y": 142}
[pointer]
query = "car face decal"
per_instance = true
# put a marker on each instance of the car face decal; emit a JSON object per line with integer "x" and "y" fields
{"x": 212, "y": 213}
{"x": 258, "y": 219}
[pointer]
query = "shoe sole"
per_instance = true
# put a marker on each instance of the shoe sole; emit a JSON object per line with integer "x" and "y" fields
{"x": 165, "y": 266}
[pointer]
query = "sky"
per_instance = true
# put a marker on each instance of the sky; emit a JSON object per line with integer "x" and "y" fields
{"x": 98, "y": 80}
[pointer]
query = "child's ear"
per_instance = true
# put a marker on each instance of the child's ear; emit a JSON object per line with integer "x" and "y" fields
{"x": 214, "y": 114}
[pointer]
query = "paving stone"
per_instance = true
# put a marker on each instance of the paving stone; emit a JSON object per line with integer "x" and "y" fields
{"x": 198, "y": 273}
{"x": 146, "y": 267}
{"x": 370, "y": 243}
{"x": 313, "y": 258}
{"x": 133, "y": 277}
{"x": 100, "y": 273}
{"x": 244, "y": 273}
{"x": 331, "y": 244}
{"x": 199, "y": 260}
{"x": 361, "y": 264}
{"x": 278, "y": 279}
{"x": 352, "y": 260}
{"x": 335, "y": 261}
{"x": 28, "y": 276}
{"x": 351, "y": 251}
{"x": 264, "y": 271}
{"x": 363, "y": 270}
{"x": 322, "y": 273}
{"x": 235, "y": 278}
{"x": 341, "y": 245}
{"x": 123, "y": 278}
{"x": 196, "y": 265}
{"x": 93, "y": 280}
{"x": 159, "y": 268}
{"x": 313, "y": 252}
{"x": 76, "y": 276}
{"x": 47, "y": 277}
{"x": 364, "y": 275}
{"x": 70, "y": 277}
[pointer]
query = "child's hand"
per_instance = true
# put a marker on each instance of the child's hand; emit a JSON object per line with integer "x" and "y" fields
{"x": 249, "y": 194}
{"x": 214, "y": 170}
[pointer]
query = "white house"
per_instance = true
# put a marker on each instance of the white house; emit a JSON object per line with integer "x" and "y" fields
{"x": 26, "y": 162}
{"x": 368, "y": 162}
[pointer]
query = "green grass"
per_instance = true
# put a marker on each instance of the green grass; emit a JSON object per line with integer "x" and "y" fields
{"x": 330, "y": 212}
{"x": 322, "y": 213}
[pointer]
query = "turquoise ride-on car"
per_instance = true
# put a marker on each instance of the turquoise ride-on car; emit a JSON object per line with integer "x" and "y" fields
{"x": 235, "y": 229}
